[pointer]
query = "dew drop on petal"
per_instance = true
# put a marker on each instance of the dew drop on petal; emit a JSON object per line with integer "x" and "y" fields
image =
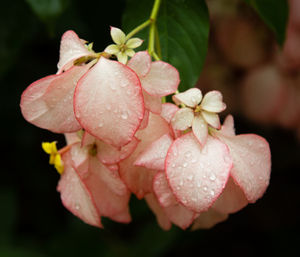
{"x": 212, "y": 177}
{"x": 190, "y": 177}
{"x": 212, "y": 192}
{"x": 187, "y": 154}
{"x": 100, "y": 125}
{"x": 205, "y": 188}
{"x": 173, "y": 165}
{"x": 185, "y": 164}
{"x": 124, "y": 116}
{"x": 77, "y": 206}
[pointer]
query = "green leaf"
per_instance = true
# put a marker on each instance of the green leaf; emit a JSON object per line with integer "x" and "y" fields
{"x": 183, "y": 28}
{"x": 275, "y": 14}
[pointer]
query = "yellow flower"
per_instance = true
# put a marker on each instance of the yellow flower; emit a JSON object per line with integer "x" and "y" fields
{"x": 55, "y": 158}
{"x": 123, "y": 47}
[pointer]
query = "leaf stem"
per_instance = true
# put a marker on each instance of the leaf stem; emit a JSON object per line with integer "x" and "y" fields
{"x": 152, "y": 32}
{"x": 138, "y": 29}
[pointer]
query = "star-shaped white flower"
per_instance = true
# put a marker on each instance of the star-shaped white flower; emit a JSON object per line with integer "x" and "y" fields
{"x": 123, "y": 47}
{"x": 199, "y": 112}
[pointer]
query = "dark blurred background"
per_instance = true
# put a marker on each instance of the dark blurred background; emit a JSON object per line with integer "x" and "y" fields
{"x": 33, "y": 221}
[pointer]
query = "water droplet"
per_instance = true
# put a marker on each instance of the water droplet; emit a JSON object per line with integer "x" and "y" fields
{"x": 124, "y": 116}
{"x": 129, "y": 92}
{"x": 100, "y": 125}
{"x": 113, "y": 87}
{"x": 173, "y": 165}
{"x": 212, "y": 192}
{"x": 178, "y": 187}
{"x": 212, "y": 177}
{"x": 198, "y": 184}
{"x": 180, "y": 183}
{"x": 185, "y": 164}
{"x": 204, "y": 176}
{"x": 124, "y": 85}
{"x": 77, "y": 206}
{"x": 187, "y": 154}
{"x": 190, "y": 177}
{"x": 205, "y": 188}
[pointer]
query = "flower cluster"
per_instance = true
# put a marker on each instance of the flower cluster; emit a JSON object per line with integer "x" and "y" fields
{"x": 122, "y": 140}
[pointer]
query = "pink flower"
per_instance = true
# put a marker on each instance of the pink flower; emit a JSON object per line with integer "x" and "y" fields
{"x": 203, "y": 184}
{"x": 102, "y": 96}
{"x": 90, "y": 189}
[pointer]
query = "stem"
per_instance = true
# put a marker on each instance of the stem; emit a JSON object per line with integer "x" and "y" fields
{"x": 155, "y": 10}
{"x": 138, "y": 29}
{"x": 152, "y": 30}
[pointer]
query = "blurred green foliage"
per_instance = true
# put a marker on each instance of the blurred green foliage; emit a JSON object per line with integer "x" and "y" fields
{"x": 33, "y": 222}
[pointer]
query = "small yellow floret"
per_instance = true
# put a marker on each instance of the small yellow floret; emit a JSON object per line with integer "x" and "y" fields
{"x": 54, "y": 158}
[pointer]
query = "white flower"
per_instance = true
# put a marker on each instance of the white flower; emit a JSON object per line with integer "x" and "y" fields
{"x": 122, "y": 47}
{"x": 198, "y": 112}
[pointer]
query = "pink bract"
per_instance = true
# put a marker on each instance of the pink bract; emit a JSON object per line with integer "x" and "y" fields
{"x": 108, "y": 102}
{"x": 75, "y": 195}
{"x": 48, "y": 102}
{"x": 71, "y": 48}
{"x": 197, "y": 175}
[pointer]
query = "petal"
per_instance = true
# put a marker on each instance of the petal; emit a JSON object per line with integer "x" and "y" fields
{"x": 117, "y": 35}
{"x": 107, "y": 187}
{"x": 162, "y": 79}
{"x": 228, "y": 126}
{"x": 145, "y": 120}
{"x": 192, "y": 97}
{"x": 108, "y": 154}
{"x": 139, "y": 179}
{"x": 163, "y": 191}
{"x": 183, "y": 119}
{"x": 231, "y": 200}
{"x": 140, "y": 63}
{"x": 197, "y": 175}
{"x": 213, "y": 102}
{"x": 112, "y": 49}
{"x": 108, "y": 102}
{"x": 76, "y": 197}
{"x": 153, "y": 157}
{"x": 212, "y": 119}
{"x": 251, "y": 163}
{"x": 161, "y": 217}
{"x": 208, "y": 219}
{"x": 48, "y": 102}
{"x": 134, "y": 42}
{"x": 200, "y": 129}
{"x": 122, "y": 57}
{"x": 129, "y": 52}
{"x": 177, "y": 213}
{"x": 71, "y": 48}
{"x": 152, "y": 103}
{"x": 168, "y": 111}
